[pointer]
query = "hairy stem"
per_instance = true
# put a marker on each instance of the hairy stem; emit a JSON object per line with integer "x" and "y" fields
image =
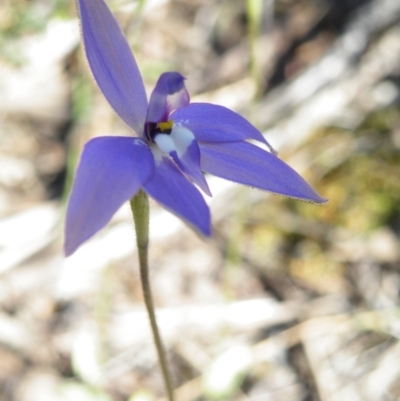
{"x": 140, "y": 211}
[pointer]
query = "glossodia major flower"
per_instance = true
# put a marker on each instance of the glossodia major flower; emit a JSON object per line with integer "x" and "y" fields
{"x": 174, "y": 143}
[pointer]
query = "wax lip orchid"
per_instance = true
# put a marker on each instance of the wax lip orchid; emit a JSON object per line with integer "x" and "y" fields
{"x": 174, "y": 143}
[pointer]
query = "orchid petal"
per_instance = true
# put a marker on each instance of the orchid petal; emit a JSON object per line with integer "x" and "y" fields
{"x": 248, "y": 164}
{"x": 188, "y": 153}
{"x": 212, "y": 123}
{"x": 182, "y": 146}
{"x": 111, "y": 171}
{"x": 169, "y": 187}
{"x": 169, "y": 94}
{"x": 112, "y": 63}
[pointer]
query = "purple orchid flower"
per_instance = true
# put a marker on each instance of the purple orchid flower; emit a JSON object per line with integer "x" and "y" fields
{"x": 175, "y": 142}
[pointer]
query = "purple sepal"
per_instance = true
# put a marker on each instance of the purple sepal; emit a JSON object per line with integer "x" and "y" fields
{"x": 250, "y": 165}
{"x": 111, "y": 171}
{"x": 169, "y": 94}
{"x": 212, "y": 123}
{"x": 172, "y": 190}
{"x": 112, "y": 63}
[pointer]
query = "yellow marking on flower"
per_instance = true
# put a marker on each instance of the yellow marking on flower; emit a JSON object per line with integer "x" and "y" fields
{"x": 165, "y": 126}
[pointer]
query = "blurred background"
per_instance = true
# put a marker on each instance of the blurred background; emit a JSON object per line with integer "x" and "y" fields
{"x": 287, "y": 301}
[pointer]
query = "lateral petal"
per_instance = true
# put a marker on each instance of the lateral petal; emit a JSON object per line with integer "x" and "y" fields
{"x": 112, "y": 63}
{"x": 250, "y": 165}
{"x": 188, "y": 156}
{"x": 110, "y": 172}
{"x": 213, "y": 123}
{"x": 182, "y": 146}
{"x": 171, "y": 188}
{"x": 169, "y": 94}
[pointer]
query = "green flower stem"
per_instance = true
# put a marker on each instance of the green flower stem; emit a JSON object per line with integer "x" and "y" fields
{"x": 140, "y": 211}
{"x": 254, "y": 15}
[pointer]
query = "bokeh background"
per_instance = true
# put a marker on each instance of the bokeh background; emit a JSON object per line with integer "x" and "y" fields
{"x": 287, "y": 301}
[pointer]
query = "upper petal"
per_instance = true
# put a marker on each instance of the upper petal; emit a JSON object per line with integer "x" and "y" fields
{"x": 212, "y": 123}
{"x": 112, "y": 63}
{"x": 247, "y": 164}
{"x": 169, "y": 94}
{"x": 111, "y": 171}
{"x": 170, "y": 187}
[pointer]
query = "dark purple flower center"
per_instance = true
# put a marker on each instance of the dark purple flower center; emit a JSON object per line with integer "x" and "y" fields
{"x": 153, "y": 129}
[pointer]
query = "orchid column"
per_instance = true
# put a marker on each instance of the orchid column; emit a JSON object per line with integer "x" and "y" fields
{"x": 172, "y": 143}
